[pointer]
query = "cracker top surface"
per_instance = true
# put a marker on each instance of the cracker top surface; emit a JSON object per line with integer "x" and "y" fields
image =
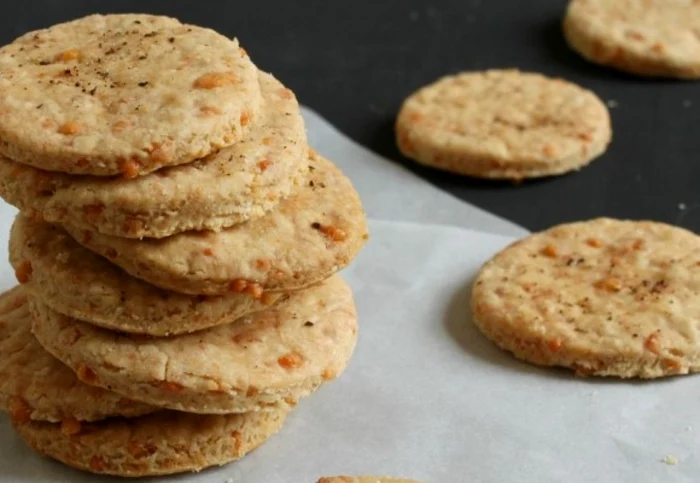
{"x": 503, "y": 123}
{"x": 605, "y": 297}
{"x": 123, "y": 94}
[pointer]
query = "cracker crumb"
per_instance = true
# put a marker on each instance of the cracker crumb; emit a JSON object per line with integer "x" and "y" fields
{"x": 682, "y": 206}
{"x": 670, "y": 460}
{"x": 687, "y": 103}
{"x": 612, "y": 103}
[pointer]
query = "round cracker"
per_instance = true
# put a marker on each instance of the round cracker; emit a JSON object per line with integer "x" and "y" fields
{"x": 503, "y": 124}
{"x": 236, "y": 184}
{"x": 603, "y": 297}
{"x": 73, "y": 281}
{"x": 273, "y": 357}
{"x": 657, "y": 38}
{"x": 36, "y": 386}
{"x": 159, "y": 444}
{"x": 363, "y": 479}
{"x": 312, "y": 234}
{"x": 123, "y": 95}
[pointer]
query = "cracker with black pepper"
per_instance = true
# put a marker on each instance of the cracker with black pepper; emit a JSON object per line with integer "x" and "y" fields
{"x": 603, "y": 297}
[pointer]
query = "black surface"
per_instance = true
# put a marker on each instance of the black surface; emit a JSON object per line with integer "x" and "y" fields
{"x": 355, "y": 61}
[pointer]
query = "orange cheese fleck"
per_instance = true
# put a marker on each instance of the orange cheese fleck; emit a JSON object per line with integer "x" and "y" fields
{"x": 245, "y": 118}
{"x": 69, "y": 128}
{"x": 255, "y": 290}
{"x": 292, "y": 360}
{"x": 19, "y": 410}
{"x": 651, "y": 343}
{"x": 550, "y": 251}
{"x": 86, "y": 374}
{"x": 213, "y": 80}
{"x": 549, "y": 150}
{"x": 24, "y": 271}
{"x": 70, "y": 427}
{"x": 129, "y": 168}
{"x": 554, "y": 344}
{"x": 610, "y": 284}
{"x": 68, "y": 55}
{"x": 239, "y": 285}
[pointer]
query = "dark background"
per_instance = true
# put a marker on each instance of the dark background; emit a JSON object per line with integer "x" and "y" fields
{"x": 355, "y": 61}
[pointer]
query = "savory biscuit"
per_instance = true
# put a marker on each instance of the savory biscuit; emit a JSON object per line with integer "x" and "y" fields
{"x": 503, "y": 124}
{"x": 123, "y": 95}
{"x": 36, "y": 386}
{"x": 603, "y": 297}
{"x": 312, "y": 234}
{"x": 238, "y": 183}
{"x": 272, "y": 358}
{"x": 73, "y": 281}
{"x": 646, "y": 37}
{"x": 159, "y": 444}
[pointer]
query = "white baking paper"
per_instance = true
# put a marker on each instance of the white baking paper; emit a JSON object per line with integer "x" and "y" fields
{"x": 427, "y": 397}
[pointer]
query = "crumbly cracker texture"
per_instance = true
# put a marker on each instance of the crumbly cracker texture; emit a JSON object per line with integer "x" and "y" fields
{"x": 603, "y": 297}
{"x": 160, "y": 444}
{"x": 271, "y": 358}
{"x": 503, "y": 124}
{"x": 73, "y": 281}
{"x": 123, "y": 95}
{"x": 35, "y": 386}
{"x": 658, "y": 38}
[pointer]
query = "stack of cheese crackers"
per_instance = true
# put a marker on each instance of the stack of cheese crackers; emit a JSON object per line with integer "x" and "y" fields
{"x": 176, "y": 247}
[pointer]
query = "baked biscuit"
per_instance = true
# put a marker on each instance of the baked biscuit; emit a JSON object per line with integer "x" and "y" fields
{"x": 272, "y": 358}
{"x": 123, "y": 95}
{"x": 312, "y": 234}
{"x": 34, "y": 386}
{"x": 163, "y": 443}
{"x": 646, "y": 37}
{"x": 503, "y": 124}
{"x": 603, "y": 297}
{"x": 73, "y": 281}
